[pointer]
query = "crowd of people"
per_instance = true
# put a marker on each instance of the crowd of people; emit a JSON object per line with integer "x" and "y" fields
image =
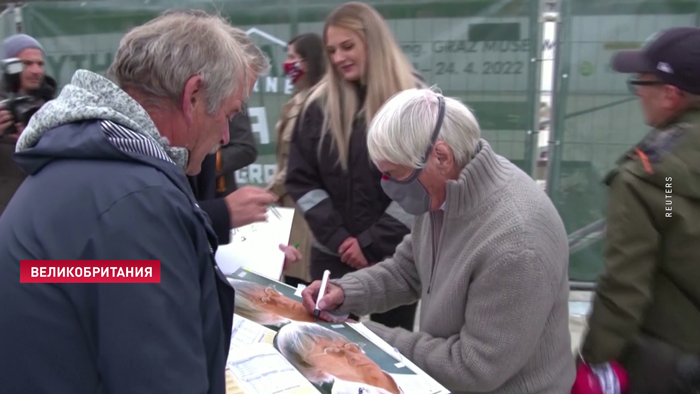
{"x": 395, "y": 193}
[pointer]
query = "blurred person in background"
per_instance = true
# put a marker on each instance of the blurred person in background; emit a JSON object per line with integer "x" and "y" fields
{"x": 248, "y": 204}
{"x": 108, "y": 165}
{"x": 329, "y": 173}
{"x": 230, "y": 207}
{"x": 487, "y": 256}
{"x": 305, "y": 66}
{"x": 34, "y": 83}
{"x": 646, "y": 310}
{"x": 240, "y": 152}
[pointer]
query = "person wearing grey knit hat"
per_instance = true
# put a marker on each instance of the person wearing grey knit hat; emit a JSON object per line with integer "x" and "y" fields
{"x": 31, "y": 53}
{"x": 14, "y": 45}
{"x": 34, "y": 83}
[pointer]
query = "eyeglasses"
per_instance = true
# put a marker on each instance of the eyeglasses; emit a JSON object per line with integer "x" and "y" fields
{"x": 633, "y": 83}
{"x": 269, "y": 292}
{"x": 352, "y": 347}
{"x": 340, "y": 350}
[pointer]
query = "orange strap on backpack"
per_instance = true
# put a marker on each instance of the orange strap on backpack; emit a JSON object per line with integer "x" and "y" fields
{"x": 645, "y": 160}
{"x": 220, "y": 181}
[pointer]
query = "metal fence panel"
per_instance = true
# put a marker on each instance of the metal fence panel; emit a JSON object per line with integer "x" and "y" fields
{"x": 480, "y": 51}
{"x": 597, "y": 119}
{"x": 8, "y": 26}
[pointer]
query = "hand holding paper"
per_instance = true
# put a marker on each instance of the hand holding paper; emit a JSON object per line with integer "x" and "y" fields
{"x": 248, "y": 205}
{"x": 291, "y": 255}
{"x": 260, "y": 247}
{"x": 332, "y": 299}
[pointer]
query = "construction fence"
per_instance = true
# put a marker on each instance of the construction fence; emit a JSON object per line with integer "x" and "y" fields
{"x": 488, "y": 53}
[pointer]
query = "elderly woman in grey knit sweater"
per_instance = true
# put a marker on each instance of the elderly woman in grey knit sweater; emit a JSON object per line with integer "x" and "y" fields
{"x": 487, "y": 256}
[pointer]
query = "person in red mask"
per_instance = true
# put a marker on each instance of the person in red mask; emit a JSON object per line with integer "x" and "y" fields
{"x": 305, "y": 66}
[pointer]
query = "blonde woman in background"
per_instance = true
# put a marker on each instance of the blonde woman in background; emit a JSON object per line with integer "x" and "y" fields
{"x": 305, "y": 65}
{"x": 329, "y": 174}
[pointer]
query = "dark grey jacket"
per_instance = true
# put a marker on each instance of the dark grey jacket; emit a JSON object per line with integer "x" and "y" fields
{"x": 217, "y": 177}
{"x": 240, "y": 152}
{"x": 11, "y": 176}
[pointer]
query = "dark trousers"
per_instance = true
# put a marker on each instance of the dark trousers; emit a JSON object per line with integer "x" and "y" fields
{"x": 403, "y": 316}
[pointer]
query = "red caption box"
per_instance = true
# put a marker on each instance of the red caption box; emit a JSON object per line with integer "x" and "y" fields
{"x": 90, "y": 271}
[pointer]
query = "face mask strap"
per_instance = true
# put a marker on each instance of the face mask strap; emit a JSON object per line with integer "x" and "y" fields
{"x": 433, "y": 140}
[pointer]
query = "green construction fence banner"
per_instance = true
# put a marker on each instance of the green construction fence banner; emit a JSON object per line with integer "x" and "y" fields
{"x": 478, "y": 51}
{"x": 7, "y": 24}
{"x": 597, "y": 119}
{"x": 485, "y": 52}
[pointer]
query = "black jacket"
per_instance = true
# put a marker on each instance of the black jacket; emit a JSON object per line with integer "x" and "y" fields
{"x": 240, "y": 152}
{"x": 11, "y": 176}
{"x": 204, "y": 189}
{"x": 338, "y": 204}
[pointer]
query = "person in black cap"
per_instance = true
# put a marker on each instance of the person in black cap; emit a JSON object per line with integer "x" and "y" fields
{"x": 646, "y": 311}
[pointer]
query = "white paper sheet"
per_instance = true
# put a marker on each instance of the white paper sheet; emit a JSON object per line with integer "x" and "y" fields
{"x": 246, "y": 332}
{"x": 300, "y": 288}
{"x": 261, "y": 369}
{"x": 256, "y": 246}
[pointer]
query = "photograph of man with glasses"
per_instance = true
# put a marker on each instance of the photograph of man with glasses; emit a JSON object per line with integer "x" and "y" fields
{"x": 326, "y": 357}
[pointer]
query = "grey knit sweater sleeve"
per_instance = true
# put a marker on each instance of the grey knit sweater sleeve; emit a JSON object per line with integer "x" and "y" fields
{"x": 494, "y": 291}
{"x": 384, "y": 286}
{"x": 486, "y": 352}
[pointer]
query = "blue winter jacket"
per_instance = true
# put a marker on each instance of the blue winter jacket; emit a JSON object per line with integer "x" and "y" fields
{"x": 103, "y": 185}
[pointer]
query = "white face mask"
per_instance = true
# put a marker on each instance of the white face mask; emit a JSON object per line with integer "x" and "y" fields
{"x": 409, "y": 193}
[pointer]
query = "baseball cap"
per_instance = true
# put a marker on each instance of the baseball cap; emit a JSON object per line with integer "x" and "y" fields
{"x": 673, "y": 55}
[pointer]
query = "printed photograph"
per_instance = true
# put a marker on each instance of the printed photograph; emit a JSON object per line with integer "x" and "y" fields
{"x": 337, "y": 364}
{"x": 334, "y": 357}
{"x": 266, "y": 302}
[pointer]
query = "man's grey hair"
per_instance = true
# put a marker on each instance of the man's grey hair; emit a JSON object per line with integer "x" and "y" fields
{"x": 296, "y": 341}
{"x": 259, "y": 62}
{"x": 247, "y": 306}
{"x": 158, "y": 58}
{"x": 400, "y": 132}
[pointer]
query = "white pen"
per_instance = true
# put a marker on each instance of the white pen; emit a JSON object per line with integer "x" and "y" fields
{"x": 321, "y": 293}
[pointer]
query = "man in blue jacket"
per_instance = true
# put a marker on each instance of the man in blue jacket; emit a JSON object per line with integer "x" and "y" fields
{"x": 107, "y": 165}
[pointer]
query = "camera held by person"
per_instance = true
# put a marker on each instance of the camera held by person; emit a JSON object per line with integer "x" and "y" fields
{"x": 25, "y": 87}
{"x": 20, "y": 106}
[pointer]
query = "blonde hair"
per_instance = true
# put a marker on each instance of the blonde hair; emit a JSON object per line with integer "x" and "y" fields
{"x": 387, "y": 72}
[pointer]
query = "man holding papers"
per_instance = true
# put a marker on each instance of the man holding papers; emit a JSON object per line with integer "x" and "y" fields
{"x": 247, "y": 204}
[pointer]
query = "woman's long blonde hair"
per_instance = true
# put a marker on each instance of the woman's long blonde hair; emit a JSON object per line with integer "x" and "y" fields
{"x": 387, "y": 72}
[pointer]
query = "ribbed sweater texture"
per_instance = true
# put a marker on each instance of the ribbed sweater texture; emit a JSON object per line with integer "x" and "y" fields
{"x": 494, "y": 295}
